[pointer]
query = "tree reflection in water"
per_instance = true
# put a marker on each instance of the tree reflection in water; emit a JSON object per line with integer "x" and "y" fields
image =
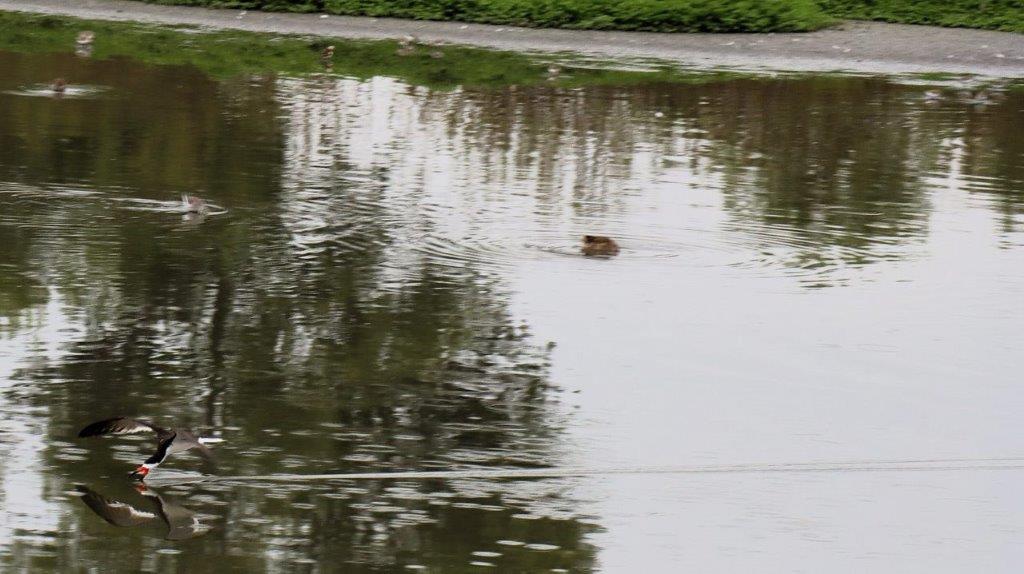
{"x": 351, "y": 311}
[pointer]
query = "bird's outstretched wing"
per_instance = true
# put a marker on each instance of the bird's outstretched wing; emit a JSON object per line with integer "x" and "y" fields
{"x": 119, "y": 425}
{"x": 114, "y": 511}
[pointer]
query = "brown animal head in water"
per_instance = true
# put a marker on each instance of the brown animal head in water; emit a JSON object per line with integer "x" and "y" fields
{"x": 59, "y": 85}
{"x": 599, "y": 245}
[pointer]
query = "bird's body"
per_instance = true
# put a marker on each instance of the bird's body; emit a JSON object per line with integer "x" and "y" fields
{"x": 169, "y": 440}
{"x": 83, "y": 43}
{"x": 407, "y": 45}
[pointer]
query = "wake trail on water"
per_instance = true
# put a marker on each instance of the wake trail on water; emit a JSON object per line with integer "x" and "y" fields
{"x": 900, "y": 465}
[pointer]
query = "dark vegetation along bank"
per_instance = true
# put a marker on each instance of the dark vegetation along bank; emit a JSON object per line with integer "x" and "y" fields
{"x": 662, "y": 15}
{"x": 1007, "y": 15}
{"x": 231, "y": 54}
{"x": 650, "y": 15}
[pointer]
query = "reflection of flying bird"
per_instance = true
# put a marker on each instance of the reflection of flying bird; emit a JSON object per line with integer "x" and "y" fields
{"x": 181, "y": 522}
{"x": 170, "y": 441}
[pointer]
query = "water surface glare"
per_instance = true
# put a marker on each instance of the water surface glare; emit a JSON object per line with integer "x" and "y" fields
{"x": 811, "y": 270}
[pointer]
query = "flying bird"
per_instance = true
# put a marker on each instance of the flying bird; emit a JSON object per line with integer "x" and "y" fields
{"x": 169, "y": 440}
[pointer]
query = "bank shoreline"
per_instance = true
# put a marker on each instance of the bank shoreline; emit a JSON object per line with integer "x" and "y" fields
{"x": 856, "y": 47}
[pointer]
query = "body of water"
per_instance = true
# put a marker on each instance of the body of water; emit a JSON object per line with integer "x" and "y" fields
{"x": 813, "y": 270}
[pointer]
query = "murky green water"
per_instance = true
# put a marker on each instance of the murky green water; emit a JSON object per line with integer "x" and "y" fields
{"x": 812, "y": 270}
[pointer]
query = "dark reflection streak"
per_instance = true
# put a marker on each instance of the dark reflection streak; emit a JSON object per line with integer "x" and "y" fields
{"x": 314, "y": 355}
{"x": 221, "y": 309}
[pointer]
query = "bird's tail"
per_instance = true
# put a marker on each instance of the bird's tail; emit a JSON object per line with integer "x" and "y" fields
{"x": 209, "y": 440}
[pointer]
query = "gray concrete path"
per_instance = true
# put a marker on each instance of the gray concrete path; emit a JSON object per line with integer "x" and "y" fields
{"x": 868, "y": 47}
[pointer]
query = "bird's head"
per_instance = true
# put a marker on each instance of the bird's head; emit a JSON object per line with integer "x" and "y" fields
{"x": 139, "y": 473}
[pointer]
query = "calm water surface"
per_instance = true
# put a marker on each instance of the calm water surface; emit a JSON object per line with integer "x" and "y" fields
{"x": 812, "y": 270}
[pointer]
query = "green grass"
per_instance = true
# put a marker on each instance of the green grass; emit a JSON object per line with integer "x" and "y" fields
{"x": 940, "y": 76}
{"x": 650, "y": 15}
{"x": 268, "y": 5}
{"x": 1007, "y": 15}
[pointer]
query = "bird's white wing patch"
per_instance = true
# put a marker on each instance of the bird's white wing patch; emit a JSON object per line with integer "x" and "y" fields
{"x": 132, "y": 511}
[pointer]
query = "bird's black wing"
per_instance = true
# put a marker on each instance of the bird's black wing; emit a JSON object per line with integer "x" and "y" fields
{"x": 119, "y": 425}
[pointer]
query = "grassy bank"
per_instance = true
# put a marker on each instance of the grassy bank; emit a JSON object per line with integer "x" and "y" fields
{"x": 232, "y": 54}
{"x": 661, "y": 15}
{"x": 1007, "y": 15}
{"x": 649, "y": 15}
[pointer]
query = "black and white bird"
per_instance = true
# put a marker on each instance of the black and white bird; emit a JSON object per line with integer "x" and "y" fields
{"x": 181, "y": 522}
{"x": 169, "y": 440}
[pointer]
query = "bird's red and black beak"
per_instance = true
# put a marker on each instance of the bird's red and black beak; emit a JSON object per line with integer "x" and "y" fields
{"x": 140, "y": 473}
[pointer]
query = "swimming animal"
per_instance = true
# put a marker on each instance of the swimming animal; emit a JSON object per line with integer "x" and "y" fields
{"x": 169, "y": 440}
{"x": 599, "y": 245}
{"x": 59, "y": 86}
{"x": 193, "y": 204}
